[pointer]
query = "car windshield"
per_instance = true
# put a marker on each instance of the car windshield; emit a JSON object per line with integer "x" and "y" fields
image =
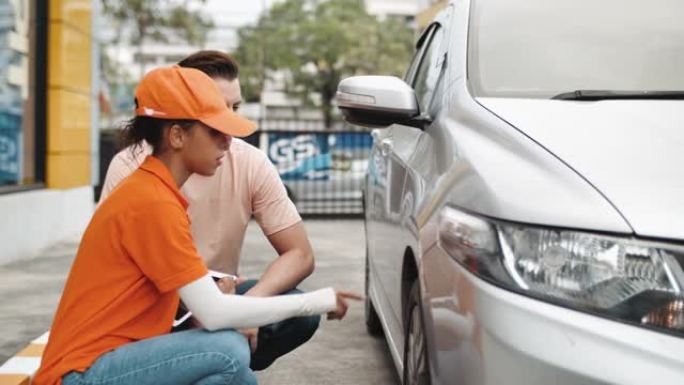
{"x": 543, "y": 48}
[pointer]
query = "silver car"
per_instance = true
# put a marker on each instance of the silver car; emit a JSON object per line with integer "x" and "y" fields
{"x": 525, "y": 198}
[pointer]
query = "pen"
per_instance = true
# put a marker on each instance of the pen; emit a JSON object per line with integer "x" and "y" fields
{"x": 219, "y": 275}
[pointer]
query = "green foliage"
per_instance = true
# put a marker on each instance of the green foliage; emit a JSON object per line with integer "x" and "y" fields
{"x": 317, "y": 43}
{"x": 140, "y": 21}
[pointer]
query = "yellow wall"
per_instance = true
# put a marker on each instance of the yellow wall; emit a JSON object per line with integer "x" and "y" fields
{"x": 69, "y": 93}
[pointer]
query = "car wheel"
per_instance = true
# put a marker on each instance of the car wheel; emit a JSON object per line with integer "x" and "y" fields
{"x": 373, "y": 325}
{"x": 416, "y": 368}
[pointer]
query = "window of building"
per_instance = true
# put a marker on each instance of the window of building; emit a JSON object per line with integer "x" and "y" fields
{"x": 21, "y": 163}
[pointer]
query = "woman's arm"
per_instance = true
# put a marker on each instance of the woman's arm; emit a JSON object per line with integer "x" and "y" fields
{"x": 216, "y": 310}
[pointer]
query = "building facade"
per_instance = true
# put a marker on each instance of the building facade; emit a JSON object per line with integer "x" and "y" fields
{"x": 48, "y": 142}
{"x": 429, "y": 9}
{"x": 406, "y": 9}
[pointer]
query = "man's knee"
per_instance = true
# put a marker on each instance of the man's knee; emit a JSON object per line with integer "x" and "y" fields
{"x": 301, "y": 329}
{"x": 278, "y": 339}
{"x": 313, "y": 322}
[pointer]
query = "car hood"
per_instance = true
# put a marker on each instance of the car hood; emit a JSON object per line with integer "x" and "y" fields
{"x": 632, "y": 152}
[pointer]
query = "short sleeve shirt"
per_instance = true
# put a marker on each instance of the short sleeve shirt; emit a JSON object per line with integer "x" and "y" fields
{"x": 245, "y": 185}
{"x": 135, "y": 253}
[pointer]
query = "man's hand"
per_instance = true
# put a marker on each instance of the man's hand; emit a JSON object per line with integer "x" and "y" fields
{"x": 342, "y": 304}
{"x": 227, "y": 285}
{"x": 252, "y": 335}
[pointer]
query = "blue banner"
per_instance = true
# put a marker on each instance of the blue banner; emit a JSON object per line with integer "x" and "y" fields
{"x": 300, "y": 156}
{"x": 319, "y": 156}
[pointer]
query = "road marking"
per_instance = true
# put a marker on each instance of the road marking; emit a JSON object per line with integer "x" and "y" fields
{"x": 19, "y": 369}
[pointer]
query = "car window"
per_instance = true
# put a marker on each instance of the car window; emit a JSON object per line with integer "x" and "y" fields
{"x": 421, "y": 45}
{"x": 428, "y": 72}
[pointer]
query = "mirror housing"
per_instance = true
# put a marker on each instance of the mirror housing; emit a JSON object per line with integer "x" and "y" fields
{"x": 378, "y": 101}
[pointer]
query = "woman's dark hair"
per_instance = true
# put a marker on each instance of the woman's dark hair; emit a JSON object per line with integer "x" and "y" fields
{"x": 149, "y": 129}
{"x": 213, "y": 63}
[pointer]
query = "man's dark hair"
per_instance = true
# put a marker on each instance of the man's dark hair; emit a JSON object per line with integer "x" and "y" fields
{"x": 213, "y": 63}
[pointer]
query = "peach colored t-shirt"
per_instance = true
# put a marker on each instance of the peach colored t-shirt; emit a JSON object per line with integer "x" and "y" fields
{"x": 245, "y": 185}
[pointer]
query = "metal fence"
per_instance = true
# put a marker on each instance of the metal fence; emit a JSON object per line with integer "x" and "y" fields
{"x": 323, "y": 171}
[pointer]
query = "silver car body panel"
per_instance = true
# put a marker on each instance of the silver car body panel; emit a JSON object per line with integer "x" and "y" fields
{"x": 387, "y": 324}
{"x": 496, "y": 171}
{"x": 631, "y": 151}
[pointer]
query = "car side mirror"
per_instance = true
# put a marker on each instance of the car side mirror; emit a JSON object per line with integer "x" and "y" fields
{"x": 378, "y": 101}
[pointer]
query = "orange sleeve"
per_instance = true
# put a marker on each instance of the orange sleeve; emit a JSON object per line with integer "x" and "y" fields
{"x": 158, "y": 239}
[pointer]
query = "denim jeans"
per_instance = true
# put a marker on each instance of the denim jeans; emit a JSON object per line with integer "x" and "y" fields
{"x": 191, "y": 357}
{"x": 277, "y": 339}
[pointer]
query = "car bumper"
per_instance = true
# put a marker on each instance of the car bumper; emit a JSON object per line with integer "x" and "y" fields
{"x": 481, "y": 334}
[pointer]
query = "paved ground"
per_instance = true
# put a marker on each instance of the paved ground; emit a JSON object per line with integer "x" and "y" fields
{"x": 340, "y": 352}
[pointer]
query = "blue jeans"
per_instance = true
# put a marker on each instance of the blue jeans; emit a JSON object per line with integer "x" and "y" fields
{"x": 191, "y": 357}
{"x": 279, "y": 338}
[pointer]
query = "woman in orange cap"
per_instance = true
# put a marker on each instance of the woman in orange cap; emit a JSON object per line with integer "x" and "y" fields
{"x": 137, "y": 259}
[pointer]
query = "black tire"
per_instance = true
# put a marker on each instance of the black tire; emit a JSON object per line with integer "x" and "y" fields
{"x": 373, "y": 324}
{"x": 416, "y": 364}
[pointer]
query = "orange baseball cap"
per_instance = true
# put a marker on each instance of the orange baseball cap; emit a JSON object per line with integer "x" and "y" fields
{"x": 186, "y": 93}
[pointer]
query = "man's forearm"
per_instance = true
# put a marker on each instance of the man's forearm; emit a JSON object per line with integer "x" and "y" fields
{"x": 284, "y": 274}
{"x": 295, "y": 262}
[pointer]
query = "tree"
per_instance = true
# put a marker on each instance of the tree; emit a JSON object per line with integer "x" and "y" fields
{"x": 316, "y": 43}
{"x": 141, "y": 21}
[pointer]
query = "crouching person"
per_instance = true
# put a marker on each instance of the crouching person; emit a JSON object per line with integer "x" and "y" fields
{"x": 137, "y": 259}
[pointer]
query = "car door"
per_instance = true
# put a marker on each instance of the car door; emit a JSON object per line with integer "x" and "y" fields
{"x": 393, "y": 148}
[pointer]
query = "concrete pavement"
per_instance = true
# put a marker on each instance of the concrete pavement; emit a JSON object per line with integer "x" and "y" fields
{"x": 29, "y": 294}
{"x": 340, "y": 353}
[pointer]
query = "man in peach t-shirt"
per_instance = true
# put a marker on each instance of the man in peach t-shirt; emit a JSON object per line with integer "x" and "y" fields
{"x": 245, "y": 185}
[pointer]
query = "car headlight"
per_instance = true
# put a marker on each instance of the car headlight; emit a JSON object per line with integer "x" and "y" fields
{"x": 621, "y": 278}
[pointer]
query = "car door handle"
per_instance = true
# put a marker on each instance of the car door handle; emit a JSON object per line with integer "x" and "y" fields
{"x": 386, "y": 146}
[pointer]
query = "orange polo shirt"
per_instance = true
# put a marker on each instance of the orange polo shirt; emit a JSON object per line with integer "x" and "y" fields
{"x": 247, "y": 184}
{"x": 134, "y": 255}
